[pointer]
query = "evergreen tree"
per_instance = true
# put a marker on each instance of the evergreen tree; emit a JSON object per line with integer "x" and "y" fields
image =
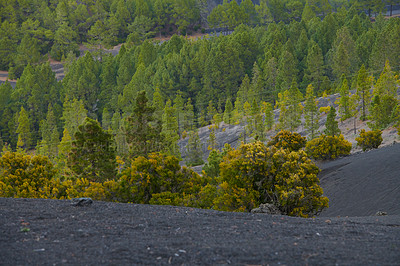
{"x": 257, "y": 84}
{"x": 212, "y": 139}
{"x": 263, "y": 12}
{"x": 170, "y": 130}
{"x": 23, "y": 130}
{"x": 308, "y": 13}
{"x": 259, "y": 128}
{"x": 291, "y": 108}
{"x": 332, "y": 128}
{"x": 287, "y": 70}
{"x": 228, "y": 113}
{"x": 179, "y": 113}
{"x": 194, "y": 151}
{"x": 344, "y": 54}
{"x": 158, "y": 104}
{"x": 246, "y": 122}
{"x": 363, "y": 87}
{"x": 384, "y": 108}
{"x": 315, "y": 66}
{"x": 118, "y": 129}
{"x": 189, "y": 123}
{"x": 64, "y": 42}
{"x": 74, "y": 114}
{"x": 242, "y": 94}
{"x": 311, "y": 113}
{"x": 270, "y": 77}
{"x": 269, "y": 115}
{"x": 92, "y": 155}
{"x": 50, "y": 136}
{"x": 64, "y": 148}
{"x": 344, "y": 101}
{"x": 142, "y": 137}
{"x": 106, "y": 119}
{"x": 211, "y": 112}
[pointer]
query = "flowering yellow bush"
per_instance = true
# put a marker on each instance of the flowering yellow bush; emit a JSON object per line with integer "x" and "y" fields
{"x": 158, "y": 176}
{"x": 288, "y": 140}
{"x": 24, "y": 176}
{"x": 328, "y": 147}
{"x": 369, "y": 140}
{"x": 255, "y": 173}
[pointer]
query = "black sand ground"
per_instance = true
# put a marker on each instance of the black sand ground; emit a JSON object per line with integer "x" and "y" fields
{"x": 364, "y": 183}
{"x": 51, "y": 232}
{"x": 128, "y": 234}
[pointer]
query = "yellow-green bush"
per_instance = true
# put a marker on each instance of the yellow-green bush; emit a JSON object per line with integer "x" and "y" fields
{"x": 160, "y": 176}
{"x": 288, "y": 140}
{"x": 24, "y": 176}
{"x": 328, "y": 147}
{"x": 255, "y": 173}
{"x": 369, "y": 140}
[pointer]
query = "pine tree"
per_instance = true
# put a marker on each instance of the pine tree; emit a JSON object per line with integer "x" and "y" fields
{"x": 194, "y": 151}
{"x": 211, "y": 111}
{"x": 106, "y": 119}
{"x": 64, "y": 148}
{"x": 50, "y": 136}
{"x": 92, "y": 155}
{"x": 269, "y": 115}
{"x": 23, "y": 130}
{"x": 270, "y": 77}
{"x": 287, "y": 70}
{"x": 291, "y": 108}
{"x": 282, "y": 105}
{"x": 212, "y": 139}
{"x": 246, "y": 122}
{"x": 158, "y": 104}
{"x": 363, "y": 87}
{"x": 344, "y": 101}
{"x": 257, "y": 84}
{"x": 189, "y": 123}
{"x": 118, "y": 130}
{"x": 170, "y": 130}
{"x": 228, "y": 112}
{"x": 315, "y": 66}
{"x": 308, "y": 13}
{"x": 311, "y": 113}
{"x": 179, "y": 113}
{"x": 142, "y": 137}
{"x": 255, "y": 123}
{"x": 384, "y": 108}
{"x": 74, "y": 113}
{"x": 332, "y": 128}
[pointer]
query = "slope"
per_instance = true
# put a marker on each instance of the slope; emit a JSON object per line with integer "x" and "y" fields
{"x": 363, "y": 183}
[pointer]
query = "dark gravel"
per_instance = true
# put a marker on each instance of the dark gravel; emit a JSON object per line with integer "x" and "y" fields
{"x": 363, "y": 184}
{"x": 53, "y": 232}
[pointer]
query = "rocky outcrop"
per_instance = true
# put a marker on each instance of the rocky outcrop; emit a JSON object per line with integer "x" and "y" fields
{"x": 267, "y": 208}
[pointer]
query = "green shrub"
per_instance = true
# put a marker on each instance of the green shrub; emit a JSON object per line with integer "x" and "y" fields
{"x": 158, "y": 176}
{"x": 369, "y": 140}
{"x": 255, "y": 174}
{"x": 328, "y": 147}
{"x": 288, "y": 140}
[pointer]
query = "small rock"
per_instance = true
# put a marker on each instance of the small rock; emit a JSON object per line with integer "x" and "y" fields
{"x": 267, "y": 208}
{"x": 81, "y": 201}
{"x": 380, "y": 213}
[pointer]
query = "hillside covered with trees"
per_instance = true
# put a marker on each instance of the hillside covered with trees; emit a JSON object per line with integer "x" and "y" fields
{"x": 111, "y": 115}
